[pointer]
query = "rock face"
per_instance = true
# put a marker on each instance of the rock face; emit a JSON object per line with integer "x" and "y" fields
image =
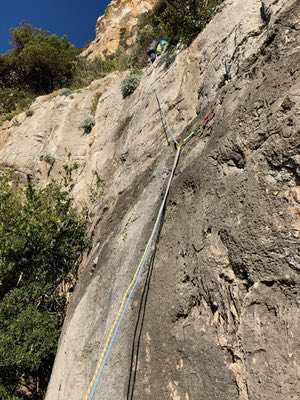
{"x": 117, "y": 27}
{"x": 222, "y": 319}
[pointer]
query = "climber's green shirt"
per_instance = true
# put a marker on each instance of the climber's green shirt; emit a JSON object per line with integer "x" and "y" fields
{"x": 161, "y": 47}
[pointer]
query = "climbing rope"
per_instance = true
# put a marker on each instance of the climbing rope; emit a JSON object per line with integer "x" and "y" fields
{"x": 128, "y": 295}
{"x": 138, "y": 331}
{"x": 146, "y": 259}
{"x": 169, "y": 136}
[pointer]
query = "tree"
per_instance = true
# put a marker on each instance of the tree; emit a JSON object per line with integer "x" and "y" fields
{"x": 183, "y": 20}
{"x": 39, "y": 61}
{"x": 174, "y": 20}
{"x": 41, "y": 239}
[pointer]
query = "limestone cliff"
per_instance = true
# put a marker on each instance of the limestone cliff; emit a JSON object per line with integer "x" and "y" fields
{"x": 117, "y": 26}
{"x": 222, "y": 320}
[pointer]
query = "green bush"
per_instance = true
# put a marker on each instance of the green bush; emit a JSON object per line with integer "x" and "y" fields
{"x": 38, "y": 64}
{"x": 148, "y": 30}
{"x": 184, "y": 20}
{"x": 39, "y": 61}
{"x": 13, "y": 101}
{"x": 130, "y": 84}
{"x": 88, "y": 125}
{"x": 48, "y": 158}
{"x": 86, "y": 71}
{"x": 175, "y": 20}
{"x": 41, "y": 239}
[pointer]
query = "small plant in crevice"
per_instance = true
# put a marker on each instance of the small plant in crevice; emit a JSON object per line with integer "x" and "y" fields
{"x": 88, "y": 125}
{"x": 130, "y": 84}
{"x": 29, "y": 113}
{"x": 48, "y": 158}
{"x": 68, "y": 169}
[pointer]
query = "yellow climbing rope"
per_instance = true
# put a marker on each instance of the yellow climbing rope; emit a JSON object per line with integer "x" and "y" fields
{"x": 128, "y": 295}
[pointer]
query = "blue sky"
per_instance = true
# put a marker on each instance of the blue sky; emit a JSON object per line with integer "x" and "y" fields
{"x": 74, "y": 18}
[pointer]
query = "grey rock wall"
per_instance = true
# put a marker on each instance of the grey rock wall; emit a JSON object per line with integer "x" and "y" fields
{"x": 222, "y": 313}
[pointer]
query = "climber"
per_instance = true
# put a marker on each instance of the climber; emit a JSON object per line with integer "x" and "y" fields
{"x": 162, "y": 45}
{"x": 156, "y": 49}
{"x": 265, "y": 12}
{"x": 151, "y": 51}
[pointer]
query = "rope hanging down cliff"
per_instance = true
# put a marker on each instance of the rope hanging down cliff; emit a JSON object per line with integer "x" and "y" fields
{"x": 145, "y": 261}
{"x": 127, "y": 298}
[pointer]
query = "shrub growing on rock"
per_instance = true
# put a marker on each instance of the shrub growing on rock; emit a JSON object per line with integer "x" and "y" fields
{"x": 130, "y": 84}
{"x": 175, "y": 20}
{"x": 86, "y": 71}
{"x": 184, "y": 19}
{"x": 13, "y": 101}
{"x": 41, "y": 239}
{"x": 88, "y": 125}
